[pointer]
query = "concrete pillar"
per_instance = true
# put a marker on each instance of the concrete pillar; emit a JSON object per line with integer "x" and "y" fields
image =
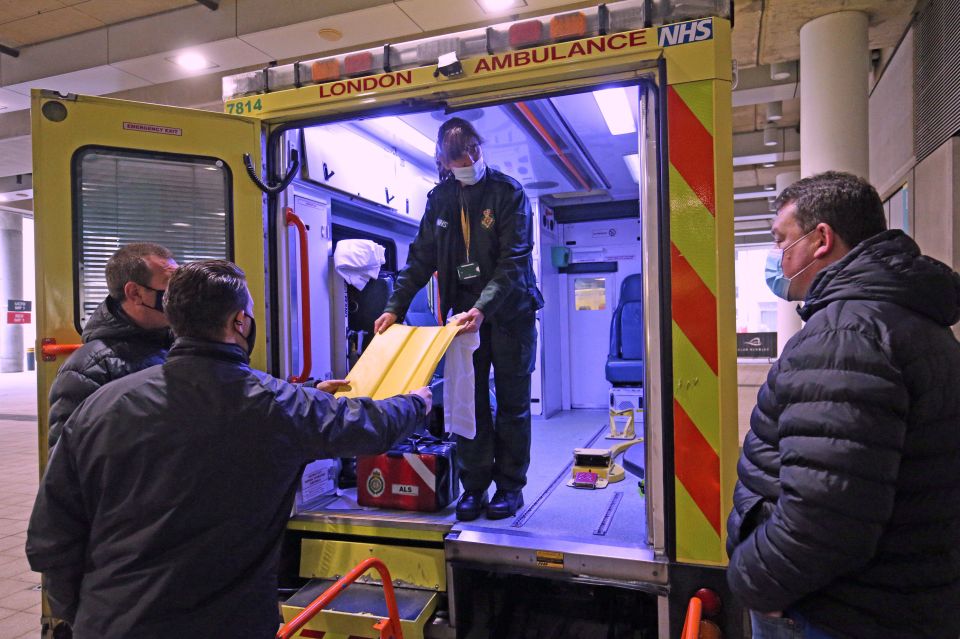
{"x": 12, "y": 355}
{"x": 788, "y": 322}
{"x": 834, "y": 104}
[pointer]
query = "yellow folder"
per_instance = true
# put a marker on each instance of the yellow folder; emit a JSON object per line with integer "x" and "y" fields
{"x": 399, "y": 360}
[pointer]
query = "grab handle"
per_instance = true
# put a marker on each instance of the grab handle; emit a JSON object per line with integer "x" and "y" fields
{"x": 307, "y": 353}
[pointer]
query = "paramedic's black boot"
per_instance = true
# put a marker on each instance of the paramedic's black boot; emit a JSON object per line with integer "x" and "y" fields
{"x": 504, "y": 504}
{"x": 471, "y": 505}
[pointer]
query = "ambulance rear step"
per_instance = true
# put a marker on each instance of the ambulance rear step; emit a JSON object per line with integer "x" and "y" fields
{"x": 358, "y": 608}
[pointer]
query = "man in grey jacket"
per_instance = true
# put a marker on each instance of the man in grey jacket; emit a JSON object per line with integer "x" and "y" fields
{"x": 127, "y": 333}
{"x": 162, "y": 509}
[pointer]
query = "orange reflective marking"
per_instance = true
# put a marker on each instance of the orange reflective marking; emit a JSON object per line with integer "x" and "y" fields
{"x": 697, "y": 465}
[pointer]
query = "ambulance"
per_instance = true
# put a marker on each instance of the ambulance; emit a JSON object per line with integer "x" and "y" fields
{"x": 616, "y": 120}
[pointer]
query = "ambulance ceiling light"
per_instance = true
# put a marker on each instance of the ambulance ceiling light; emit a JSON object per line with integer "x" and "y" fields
{"x": 633, "y": 165}
{"x": 192, "y": 61}
{"x": 615, "y": 108}
{"x": 394, "y": 126}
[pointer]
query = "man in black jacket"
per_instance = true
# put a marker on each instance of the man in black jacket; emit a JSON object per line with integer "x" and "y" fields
{"x": 127, "y": 333}
{"x": 846, "y": 519}
{"x": 477, "y": 235}
{"x": 162, "y": 509}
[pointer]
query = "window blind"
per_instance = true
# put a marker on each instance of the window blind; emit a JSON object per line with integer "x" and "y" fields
{"x": 182, "y": 203}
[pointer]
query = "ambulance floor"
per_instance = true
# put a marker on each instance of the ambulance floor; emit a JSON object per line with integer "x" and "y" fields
{"x": 615, "y": 515}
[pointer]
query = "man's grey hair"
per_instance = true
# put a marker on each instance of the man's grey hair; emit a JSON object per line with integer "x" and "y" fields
{"x": 128, "y": 265}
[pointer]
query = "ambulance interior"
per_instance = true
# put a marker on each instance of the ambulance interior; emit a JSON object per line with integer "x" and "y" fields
{"x": 586, "y": 160}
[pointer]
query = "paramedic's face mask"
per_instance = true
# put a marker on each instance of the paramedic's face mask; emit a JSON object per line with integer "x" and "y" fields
{"x": 469, "y": 168}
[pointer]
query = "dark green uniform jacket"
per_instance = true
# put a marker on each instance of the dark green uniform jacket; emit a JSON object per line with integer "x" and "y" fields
{"x": 501, "y": 242}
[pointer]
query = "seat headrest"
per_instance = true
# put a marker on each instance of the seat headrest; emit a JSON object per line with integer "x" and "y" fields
{"x": 631, "y": 289}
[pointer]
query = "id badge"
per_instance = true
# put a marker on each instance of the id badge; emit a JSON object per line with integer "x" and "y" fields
{"x": 468, "y": 272}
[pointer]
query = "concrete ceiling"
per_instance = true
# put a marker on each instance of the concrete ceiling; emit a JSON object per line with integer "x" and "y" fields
{"x": 768, "y": 31}
{"x": 25, "y": 22}
{"x": 123, "y": 48}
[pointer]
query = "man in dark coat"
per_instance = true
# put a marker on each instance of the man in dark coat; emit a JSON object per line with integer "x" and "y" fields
{"x": 127, "y": 333}
{"x": 846, "y": 519}
{"x": 162, "y": 509}
{"x": 477, "y": 235}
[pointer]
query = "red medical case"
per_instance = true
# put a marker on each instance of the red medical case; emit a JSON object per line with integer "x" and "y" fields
{"x": 420, "y": 473}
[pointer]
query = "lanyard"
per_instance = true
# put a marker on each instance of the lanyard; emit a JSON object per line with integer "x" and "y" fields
{"x": 465, "y": 228}
{"x": 465, "y": 218}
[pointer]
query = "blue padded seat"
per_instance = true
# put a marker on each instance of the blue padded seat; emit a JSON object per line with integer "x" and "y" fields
{"x": 419, "y": 313}
{"x": 625, "y": 360}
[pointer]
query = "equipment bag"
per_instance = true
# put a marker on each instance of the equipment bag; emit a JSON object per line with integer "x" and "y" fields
{"x": 419, "y": 473}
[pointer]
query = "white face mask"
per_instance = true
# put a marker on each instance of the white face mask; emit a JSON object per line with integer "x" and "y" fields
{"x": 470, "y": 175}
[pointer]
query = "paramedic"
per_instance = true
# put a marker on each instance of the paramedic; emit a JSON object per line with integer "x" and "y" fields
{"x": 846, "y": 519}
{"x": 477, "y": 235}
{"x": 163, "y": 506}
{"x": 127, "y": 333}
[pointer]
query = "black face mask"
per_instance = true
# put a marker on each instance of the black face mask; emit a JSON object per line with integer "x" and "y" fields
{"x": 251, "y": 337}
{"x": 158, "y": 301}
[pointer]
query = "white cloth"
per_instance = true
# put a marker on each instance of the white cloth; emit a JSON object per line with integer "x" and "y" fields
{"x": 459, "y": 409}
{"x": 358, "y": 261}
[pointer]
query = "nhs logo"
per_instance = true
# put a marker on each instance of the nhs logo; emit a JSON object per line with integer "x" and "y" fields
{"x": 685, "y": 32}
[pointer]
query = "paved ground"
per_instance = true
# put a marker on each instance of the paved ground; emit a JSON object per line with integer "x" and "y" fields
{"x": 19, "y": 587}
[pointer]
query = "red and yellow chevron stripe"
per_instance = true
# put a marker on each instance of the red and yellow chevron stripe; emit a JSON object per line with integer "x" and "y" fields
{"x": 701, "y": 245}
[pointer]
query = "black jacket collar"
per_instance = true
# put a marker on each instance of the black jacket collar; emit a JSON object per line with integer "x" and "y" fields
{"x": 196, "y": 347}
{"x": 889, "y": 267}
{"x": 110, "y": 321}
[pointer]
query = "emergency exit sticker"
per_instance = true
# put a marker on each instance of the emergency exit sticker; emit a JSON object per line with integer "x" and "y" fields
{"x": 151, "y": 128}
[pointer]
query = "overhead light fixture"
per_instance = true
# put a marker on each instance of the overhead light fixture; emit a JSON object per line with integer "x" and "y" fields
{"x": 768, "y": 187}
{"x": 781, "y": 70}
{"x": 615, "y": 108}
{"x": 330, "y": 34}
{"x": 633, "y": 165}
{"x": 13, "y": 196}
{"x": 768, "y": 165}
{"x": 192, "y": 61}
{"x": 494, "y": 6}
{"x": 774, "y": 111}
{"x": 392, "y": 126}
{"x": 770, "y": 135}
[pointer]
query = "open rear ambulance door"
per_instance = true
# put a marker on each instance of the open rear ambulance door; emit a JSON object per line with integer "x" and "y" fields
{"x": 110, "y": 172}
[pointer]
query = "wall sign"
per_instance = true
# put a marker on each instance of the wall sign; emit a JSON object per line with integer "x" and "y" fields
{"x": 757, "y": 345}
